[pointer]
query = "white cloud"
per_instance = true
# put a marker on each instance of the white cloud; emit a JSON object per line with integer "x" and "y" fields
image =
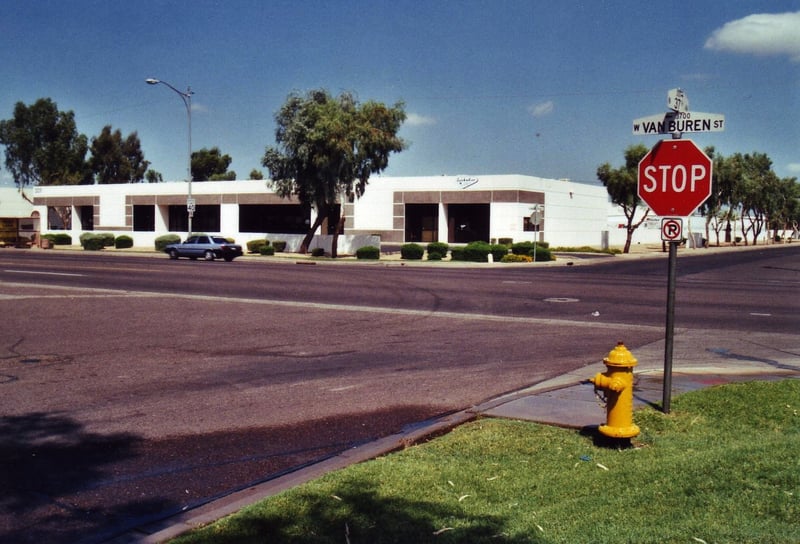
{"x": 542, "y": 108}
{"x": 760, "y": 34}
{"x": 417, "y": 120}
{"x": 794, "y": 167}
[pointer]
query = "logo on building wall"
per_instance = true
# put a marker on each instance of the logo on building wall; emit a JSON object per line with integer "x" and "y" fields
{"x": 466, "y": 181}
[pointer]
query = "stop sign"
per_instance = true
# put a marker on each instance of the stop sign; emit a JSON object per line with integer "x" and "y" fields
{"x": 674, "y": 178}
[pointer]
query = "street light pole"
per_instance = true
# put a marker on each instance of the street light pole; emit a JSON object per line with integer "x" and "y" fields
{"x": 187, "y": 101}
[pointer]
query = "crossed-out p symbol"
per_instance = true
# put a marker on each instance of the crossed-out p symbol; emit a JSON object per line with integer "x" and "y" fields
{"x": 671, "y": 229}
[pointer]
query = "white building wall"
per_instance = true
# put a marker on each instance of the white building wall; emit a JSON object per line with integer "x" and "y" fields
{"x": 574, "y": 213}
{"x": 374, "y": 210}
{"x": 112, "y": 208}
{"x": 229, "y": 218}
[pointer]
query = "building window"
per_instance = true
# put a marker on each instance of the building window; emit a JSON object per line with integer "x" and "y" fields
{"x": 59, "y": 217}
{"x": 468, "y": 223}
{"x": 206, "y": 218}
{"x": 278, "y": 218}
{"x": 144, "y": 218}
{"x": 528, "y": 226}
{"x": 422, "y": 223}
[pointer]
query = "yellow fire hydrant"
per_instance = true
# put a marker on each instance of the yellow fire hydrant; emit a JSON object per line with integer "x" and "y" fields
{"x": 617, "y": 383}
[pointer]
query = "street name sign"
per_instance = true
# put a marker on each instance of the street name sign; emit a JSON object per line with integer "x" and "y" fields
{"x": 674, "y": 178}
{"x": 679, "y": 122}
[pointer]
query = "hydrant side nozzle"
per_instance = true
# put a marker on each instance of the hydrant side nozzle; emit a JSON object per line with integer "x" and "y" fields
{"x": 605, "y": 382}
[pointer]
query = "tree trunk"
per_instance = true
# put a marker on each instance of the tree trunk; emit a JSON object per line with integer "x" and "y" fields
{"x": 321, "y": 215}
{"x": 335, "y": 241}
{"x": 628, "y": 239}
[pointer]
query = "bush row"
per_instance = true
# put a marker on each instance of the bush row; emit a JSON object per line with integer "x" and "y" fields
{"x": 60, "y": 239}
{"x": 474, "y": 251}
{"x": 94, "y": 241}
{"x": 436, "y": 251}
{"x": 265, "y": 247}
{"x": 480, "y": 251}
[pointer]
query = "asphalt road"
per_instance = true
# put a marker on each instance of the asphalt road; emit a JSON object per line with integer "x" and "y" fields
{"x": 134, "y": 387}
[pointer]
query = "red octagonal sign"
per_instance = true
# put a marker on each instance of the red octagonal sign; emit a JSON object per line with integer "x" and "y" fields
{"x": 674, "y": 178}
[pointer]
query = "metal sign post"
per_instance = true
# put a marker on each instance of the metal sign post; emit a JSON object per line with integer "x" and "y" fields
{"x": 674, "y": 178}
{"x": 536, "y": 221}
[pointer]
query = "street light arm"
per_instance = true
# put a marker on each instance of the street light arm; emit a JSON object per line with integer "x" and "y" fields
{"x": 186, "y": 96}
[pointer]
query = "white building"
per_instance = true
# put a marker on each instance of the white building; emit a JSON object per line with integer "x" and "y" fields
{"x": 453, "y": 209}
{"x": 19, "y": 223}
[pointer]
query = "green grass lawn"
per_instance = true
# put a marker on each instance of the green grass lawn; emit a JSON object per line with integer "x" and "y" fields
{"x": 724, "y": 466}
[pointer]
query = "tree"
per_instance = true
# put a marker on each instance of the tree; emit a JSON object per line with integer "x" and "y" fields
{"x": 256, "y": 174}
{"x": 43, "y": 146}
{"x": 211, "y": 165}
{"x": 787, "y": 208}
{"x": 115, "y": 160}
{"x": 755, "y": 191}
{"x": 327, "y": 149}
{"x": 622, "y": 186}
{"x": 151, "y": 176}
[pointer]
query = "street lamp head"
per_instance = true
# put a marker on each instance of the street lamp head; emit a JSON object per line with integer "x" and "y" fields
{"x": 152, "y": 81}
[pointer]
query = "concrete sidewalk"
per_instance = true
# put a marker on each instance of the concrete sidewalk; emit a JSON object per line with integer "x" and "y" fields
{"x": 570, "y": 401}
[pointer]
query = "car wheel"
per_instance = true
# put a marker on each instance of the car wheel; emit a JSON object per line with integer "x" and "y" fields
{"x": 173, "y": 253}
{"x": 209, "y": 255}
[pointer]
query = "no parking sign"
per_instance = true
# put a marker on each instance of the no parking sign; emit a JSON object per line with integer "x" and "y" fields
{"x": 671, "y": 229}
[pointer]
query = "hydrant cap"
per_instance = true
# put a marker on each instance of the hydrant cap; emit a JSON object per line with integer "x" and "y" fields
{"x": 620, "y": 356}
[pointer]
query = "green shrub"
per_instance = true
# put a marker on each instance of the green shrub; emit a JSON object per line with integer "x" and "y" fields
{"x": 108, "y": 239}
{"x": 368, "y": 252}
{"x": 165, "y": 240}
{"x": 318, "y": 252}
{"x": 59, "y": 239}
{"x": 92, "y": 242}
{"x": 266, "y": 250}
{"x": 477, "y": 252}
{"x": 512, "y": 258}
{"x": 254, "y": 246}
{"x": 123, "y": 242}
{"x": 437, "y": 251}
{"x": 279, "y": 245}
{"x": 506, "y": 241}
{"x": 543, "y": 254}
{"x": 524, "y": 248}
{"x": 498, "y": 252}
{"x": 412, "y": 251}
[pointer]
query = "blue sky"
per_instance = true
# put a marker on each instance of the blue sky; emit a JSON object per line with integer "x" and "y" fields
{"x": 491, "y": 86}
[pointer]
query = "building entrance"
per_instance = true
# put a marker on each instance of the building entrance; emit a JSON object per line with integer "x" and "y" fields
{"x": 422, "y": 223}
{"x": 467, "y": 223}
